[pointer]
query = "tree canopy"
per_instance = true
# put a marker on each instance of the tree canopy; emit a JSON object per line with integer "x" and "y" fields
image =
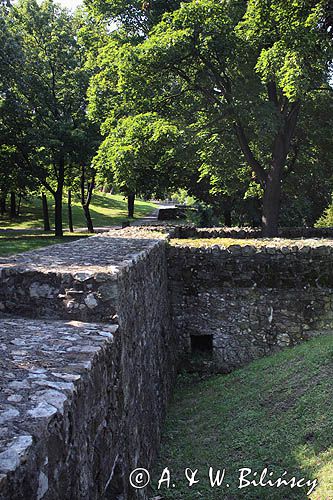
{"x": 245, "y": 69}
{"x": 222, "y": 98}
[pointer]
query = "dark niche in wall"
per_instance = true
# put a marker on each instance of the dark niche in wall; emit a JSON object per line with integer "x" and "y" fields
{"x": 202, "y": 343}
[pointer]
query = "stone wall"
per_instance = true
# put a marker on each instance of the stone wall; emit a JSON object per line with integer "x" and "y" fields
{"x": 59, "y": 409}
{"x": 84, "y": 411}
{"x": 89, "y": 345}
{"x": 251, "y": 301}
{"x": 171, "y": 213}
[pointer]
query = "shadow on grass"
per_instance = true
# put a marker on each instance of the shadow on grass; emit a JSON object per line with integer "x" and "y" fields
{"x": 106, "y": 210}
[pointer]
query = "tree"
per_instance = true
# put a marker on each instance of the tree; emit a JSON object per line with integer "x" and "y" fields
{"x": 13, "y": 179}
{"x": 131, "y": 21}
{"x": 49, "y": 88}
{"x": 143, "y": 153}
{"x": 134, "y": 17}
{"x": 250, "y": 66}
{"x": 308, "y": 182}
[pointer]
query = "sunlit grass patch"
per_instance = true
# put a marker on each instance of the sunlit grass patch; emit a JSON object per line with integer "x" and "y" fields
{"x": 12, "y": 243}
{"x": 106, "y": 210}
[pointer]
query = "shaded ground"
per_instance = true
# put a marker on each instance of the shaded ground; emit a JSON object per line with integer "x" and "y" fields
{"x": 275, "y": 413}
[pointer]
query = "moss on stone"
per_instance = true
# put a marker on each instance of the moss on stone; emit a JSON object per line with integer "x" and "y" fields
{"x": 255, "y": 242}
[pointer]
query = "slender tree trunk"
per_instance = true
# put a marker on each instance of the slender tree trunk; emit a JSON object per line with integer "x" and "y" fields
{"x": 130, "y": 205}
{"x": 3, "y": 204}
{"x": 88, "y": 218}
{"x": 58, "y": 199}
{"x": 58, "y": 213}
{"x": 227, "y": 218}
{"x": 46, "y": 217}
{"x": 85, "y": 201}
{"x": 18, "y": 211}
{"x": 271, "y": 203}
{"x": 12, "y": 205}
{"x": 70, "y": 214}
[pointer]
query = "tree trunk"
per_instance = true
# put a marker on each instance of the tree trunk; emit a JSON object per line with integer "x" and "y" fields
{"x": 58, "y": 199}
{"x": 89, "y": 221}
{"x": 58, "y": 213}
{"x": 85, "y": 201}
{"x": 227, "y": 218}
{"x": 271, "y": 203}
{"x": 18, "y": 211}
{"x": 12, "y": 212}
{"x": 130, "y": 205}
{"x": 70, "y": 214}
{"x": 272, "y": 192}
{"x": 46, "y": 217}
{"x": 3, "y": 204}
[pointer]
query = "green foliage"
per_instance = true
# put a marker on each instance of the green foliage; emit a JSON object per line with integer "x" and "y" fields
{"x": 326, "y": 219}
{"x": 43, "y": 101}
{"x": 182, "y": 197}
{"x": 308, "y": 179}
{"x": 292, "y": 49}
{"x": 202, "y": 216}
{"x": 142, "y": 152}
{"x": 234, "y": 75}
{"x": 208, "y": 96}
{"x": 136, "y": 16}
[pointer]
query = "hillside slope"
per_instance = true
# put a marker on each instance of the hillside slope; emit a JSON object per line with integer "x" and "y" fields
{"x": 276, "y": 413}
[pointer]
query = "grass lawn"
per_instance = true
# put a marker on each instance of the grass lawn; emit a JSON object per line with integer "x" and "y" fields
{"x": 11, "y": 242}
{"x": 275, "y": 413}
{"x": 106, "y": 210}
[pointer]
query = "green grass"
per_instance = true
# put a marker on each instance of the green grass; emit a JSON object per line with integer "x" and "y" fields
{"x": 11, "y": 242}
{"x": 106, "y": 210}
{"x": 275, "y": 413}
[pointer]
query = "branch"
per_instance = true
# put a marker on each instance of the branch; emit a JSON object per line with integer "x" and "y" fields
{"x": 91, "y": 187}
{"x": 292, "y": 121}
{"x": 272, "y": 93}
{"x": 250, "y": 158}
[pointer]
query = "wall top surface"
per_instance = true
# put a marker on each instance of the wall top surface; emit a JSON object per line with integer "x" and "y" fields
{"x": 41, "y": 364}
{"x": 109, "y": 252}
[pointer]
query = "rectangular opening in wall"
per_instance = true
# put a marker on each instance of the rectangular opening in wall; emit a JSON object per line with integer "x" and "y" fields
{"x": 202, "y": 343}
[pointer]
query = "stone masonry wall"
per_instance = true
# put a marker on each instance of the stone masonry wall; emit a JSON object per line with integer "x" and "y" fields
{"x": 252, "y": 301}
{"x": 84, "y": 409}
{"x": 89, "y": 344}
